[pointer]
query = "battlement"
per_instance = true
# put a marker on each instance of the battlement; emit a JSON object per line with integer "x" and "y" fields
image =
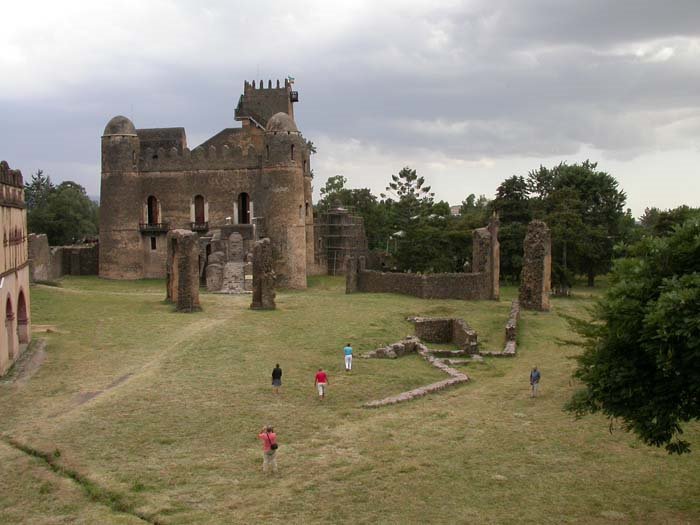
{"x": 260, "y": 103}
{"x": 211, "y": 158}
{"x": 9, "y": 176}
{"x": 250, "y": 86}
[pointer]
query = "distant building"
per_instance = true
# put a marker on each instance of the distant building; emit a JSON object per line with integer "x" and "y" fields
{"x": 254, "y": 181}
{"x": 455, "y": 210}
{"x": 15, "y": 327}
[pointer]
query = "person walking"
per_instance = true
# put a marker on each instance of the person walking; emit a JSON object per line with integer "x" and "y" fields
{"x": 269, "y": 440}
{"x": 348, "y": 357}
{"x": 321, "y": 383}
{"x": 534, "y": 381}
{"x": 276, "y": 379}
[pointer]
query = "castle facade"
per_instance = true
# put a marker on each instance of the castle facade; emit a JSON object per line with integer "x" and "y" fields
{"x": 15, "y": 326}
{"x": 254, "y": 180}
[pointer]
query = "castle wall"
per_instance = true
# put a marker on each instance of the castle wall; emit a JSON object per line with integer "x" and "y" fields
{"x": 466, "y": 286}
{"x": 15, "y": 318}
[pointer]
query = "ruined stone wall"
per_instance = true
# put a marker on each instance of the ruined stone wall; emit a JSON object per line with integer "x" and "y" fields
{"x": 52, "y": 262}
{"x": 536, "y": 276}
{"x": 467, "y": 286}
{"x": 446, "y": 330}
{"x": 182, "y": 278}
{"x": 480, "y": 284}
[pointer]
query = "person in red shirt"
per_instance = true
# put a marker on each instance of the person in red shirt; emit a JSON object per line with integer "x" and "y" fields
{"x": 321, "y": 382}
{"x": 269, "y": 439}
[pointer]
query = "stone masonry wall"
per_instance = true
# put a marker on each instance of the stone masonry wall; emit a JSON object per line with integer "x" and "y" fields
{"x": 535, "y": 280}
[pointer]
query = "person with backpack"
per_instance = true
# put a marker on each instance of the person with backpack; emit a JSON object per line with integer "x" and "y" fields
{"x": 269, "y": 439}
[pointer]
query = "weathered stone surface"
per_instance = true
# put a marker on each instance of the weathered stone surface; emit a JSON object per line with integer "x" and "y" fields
{"x": 182, "y": 275}
{"x": 482, "y": 283}
{"x": 214, "y": 277}
{"x": 263, "y": 277}
{"x": 536, "y": 276}
{"x": 446, "y": 330}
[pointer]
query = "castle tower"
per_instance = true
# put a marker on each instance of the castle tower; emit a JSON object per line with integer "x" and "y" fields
{"x": 284, "y": 205}
{"x": 121, "y": 256}
{"x": 260, "y": 104}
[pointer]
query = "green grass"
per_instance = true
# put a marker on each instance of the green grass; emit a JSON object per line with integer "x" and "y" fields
{"x": 156, "y": 413}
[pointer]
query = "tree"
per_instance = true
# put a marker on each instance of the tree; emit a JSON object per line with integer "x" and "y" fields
{"x": 641, "y": 361}
{"x": 37, "y": 191}
{"x": 584, "y": 209}
{"x": 512, "y": 203}
{"x": 64, "y": 213}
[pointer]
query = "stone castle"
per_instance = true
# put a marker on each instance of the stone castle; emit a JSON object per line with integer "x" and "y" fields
{"x": 252, "y": 181}
{"x": 15, "y": 327}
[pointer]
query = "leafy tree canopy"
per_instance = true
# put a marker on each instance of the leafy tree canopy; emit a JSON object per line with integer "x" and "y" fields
{"x": 64, "y": 213}
{"x": 641, "y": 361}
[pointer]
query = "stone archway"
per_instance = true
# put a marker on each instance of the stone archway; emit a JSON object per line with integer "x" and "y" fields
{"x": 22, "y": 319}
{"x": 9, "y": 329}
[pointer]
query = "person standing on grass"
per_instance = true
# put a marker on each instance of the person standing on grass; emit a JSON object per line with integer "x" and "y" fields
{"x": 348, "y": 357}
{"x": 276, "y": 378}
{"x": 321, "y": 382}
{"x": 534, "y": 382}
{"x": 269, "y": 439}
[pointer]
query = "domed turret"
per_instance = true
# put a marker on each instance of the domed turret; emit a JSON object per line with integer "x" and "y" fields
{"x": 119, "y": 126}
{"x": 281, "y": 122}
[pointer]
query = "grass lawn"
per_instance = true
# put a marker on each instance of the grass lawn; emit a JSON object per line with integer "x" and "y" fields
{"x": 155, "y": 414}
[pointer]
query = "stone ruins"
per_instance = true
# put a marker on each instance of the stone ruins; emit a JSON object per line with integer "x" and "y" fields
{"x": 536, "y": 276}
{"x": 229, "y": 267}
{"x": 182, "y": 270}
{"x": 263, "y": 277}
{"x": 481, "y": 283}
{"x": 410, "y": 345}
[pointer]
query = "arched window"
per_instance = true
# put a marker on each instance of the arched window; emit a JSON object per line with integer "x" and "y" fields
{"x": 307, "y": 209}
{"x": 22, "y": 319}
{"x": 152, "y": 210}
{"x": 267, "y": 152}
{"x": 292, "y": 152}
{"x": 301, "y": 211}
{"x": 243, "y": 208}
{"x": 199, "y": 209}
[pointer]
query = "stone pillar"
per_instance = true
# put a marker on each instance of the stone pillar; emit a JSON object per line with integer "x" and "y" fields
{"x": 351, "y": 275}
{"x": 536, "y": 276}
{"x": 182, "y": 270}
{"x": 263, "y": 276}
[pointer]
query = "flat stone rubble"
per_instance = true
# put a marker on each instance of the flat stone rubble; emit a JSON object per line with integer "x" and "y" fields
{"x": 409, "y": 345}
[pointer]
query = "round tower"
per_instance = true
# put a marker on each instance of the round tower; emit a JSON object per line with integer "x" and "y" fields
{"x": 121, "y": 256}
{"x": 285, "y": 199}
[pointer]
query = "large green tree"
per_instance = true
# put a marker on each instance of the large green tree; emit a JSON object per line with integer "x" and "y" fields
{"x": 641, "y": 362}
{"x": 512, "y": 203}
{"x": 584, "y": 208}
{"x": 64, "y": 213}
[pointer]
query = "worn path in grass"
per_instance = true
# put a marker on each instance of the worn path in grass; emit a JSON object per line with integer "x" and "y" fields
{"x": 175, "y": 439}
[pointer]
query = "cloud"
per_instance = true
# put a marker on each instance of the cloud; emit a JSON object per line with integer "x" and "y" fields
{"x": 446, "y": 85}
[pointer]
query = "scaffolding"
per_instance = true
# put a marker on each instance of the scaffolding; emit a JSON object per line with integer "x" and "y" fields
{"x": 339, "y": 234}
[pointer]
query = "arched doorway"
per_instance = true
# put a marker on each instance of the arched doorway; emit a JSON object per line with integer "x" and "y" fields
{"x": 152, "y": 210}
{"x": 22, "y": 320}
{"x": 243, "y": 208}
{"x": 9, "y": 328}
{"x": 199, "y": 209}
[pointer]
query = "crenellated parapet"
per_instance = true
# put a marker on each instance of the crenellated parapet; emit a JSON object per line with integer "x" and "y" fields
{"x": 11, "y": 186}
{"x": 211, "y": 158}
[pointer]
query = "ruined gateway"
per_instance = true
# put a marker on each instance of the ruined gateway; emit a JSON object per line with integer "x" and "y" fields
{"x": 243, "y": 184}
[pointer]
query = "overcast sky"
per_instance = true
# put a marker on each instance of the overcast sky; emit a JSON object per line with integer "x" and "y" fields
{"x": 469, "y": 93}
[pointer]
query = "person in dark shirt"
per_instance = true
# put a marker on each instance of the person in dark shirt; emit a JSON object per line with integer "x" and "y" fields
{"x": 534, "y": 381}
{"x": 276, "y": 378}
